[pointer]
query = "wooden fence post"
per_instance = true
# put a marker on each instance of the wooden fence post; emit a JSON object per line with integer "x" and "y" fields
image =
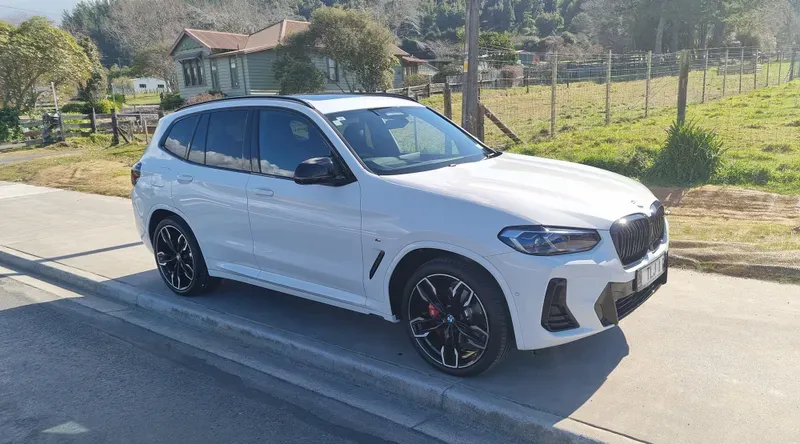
{"x": 769, "y": 62}
{"x": 479, "y": 125}
{"x": 792, "y": 72}
{"x": 725, "y": 73}
{"x": 114, "y": 127}
{"x": 705, "y": 77}
{"x": 45, "y": 128}
{"x": 527, "y": 84}
{"x": 553, "y": 95}
{"x": 741, "y": 70}
{"x": 755, "y": 71}
{"x": 93, "y": 121}
{"x": 647, "y": 83}
{"x": 780, "y": 67}
{"x": 448, "y": 100}
{"x": 408, "y": 91}
{"x": 143, "y": 121}
{"x": 683, "y": 86}
{"x": 608, "y": 88}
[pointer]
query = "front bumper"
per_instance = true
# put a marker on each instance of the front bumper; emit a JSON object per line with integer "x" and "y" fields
{"x": 599, "y": 290}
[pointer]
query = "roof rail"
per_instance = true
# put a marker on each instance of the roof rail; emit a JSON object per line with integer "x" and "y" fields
{"x": 387, "y": 94}
{"x": 257, "y": 96}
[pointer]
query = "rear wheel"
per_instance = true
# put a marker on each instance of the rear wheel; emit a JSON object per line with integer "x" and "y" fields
{"x": 456, "y": 317}
{"x": 179, "y": 260}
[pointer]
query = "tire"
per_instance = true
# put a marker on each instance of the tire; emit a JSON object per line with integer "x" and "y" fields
{"x": 449, "y": 332}
{"x": 173, "y": 232}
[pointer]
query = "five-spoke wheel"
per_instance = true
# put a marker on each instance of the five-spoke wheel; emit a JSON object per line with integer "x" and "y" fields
{"x": 456, "y": 318}
{"x": 179, "y": 259}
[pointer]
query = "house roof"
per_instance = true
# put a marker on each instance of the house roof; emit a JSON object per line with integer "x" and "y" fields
{"x": 267, "y": 38}
{"x": 213, "y": 39}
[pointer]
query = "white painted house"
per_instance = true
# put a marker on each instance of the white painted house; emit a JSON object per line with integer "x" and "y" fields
{"x": 148, "y": 84}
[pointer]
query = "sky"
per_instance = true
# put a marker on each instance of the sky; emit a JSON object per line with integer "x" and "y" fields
{"x": 15, "y": 10}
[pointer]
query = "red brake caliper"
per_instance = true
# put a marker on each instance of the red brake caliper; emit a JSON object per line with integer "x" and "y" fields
{"x": 433, "y": 311}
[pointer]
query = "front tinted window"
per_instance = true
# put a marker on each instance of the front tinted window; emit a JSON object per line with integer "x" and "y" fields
{"x": 179, "y": 136}
{"x": 285, "y": 140}
{"x": 225, "y": 139}
{"x": 399, "y": 140}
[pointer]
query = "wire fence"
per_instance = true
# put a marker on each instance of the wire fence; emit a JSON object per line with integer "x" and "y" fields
{"x": 546, "y": 94}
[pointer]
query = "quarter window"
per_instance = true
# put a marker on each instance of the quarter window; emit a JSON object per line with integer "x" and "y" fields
{"x": 285, "y": 140}
{"x": 179, "y": 136}
{"x": 225, "y": 139}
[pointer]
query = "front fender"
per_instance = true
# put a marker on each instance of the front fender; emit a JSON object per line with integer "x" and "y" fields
{"x": 512, "y": 308}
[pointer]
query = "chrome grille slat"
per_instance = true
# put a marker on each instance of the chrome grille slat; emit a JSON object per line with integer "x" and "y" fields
{"x": 634, "y": 235}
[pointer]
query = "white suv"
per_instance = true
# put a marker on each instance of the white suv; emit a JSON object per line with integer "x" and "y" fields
{"x": 380, "y": 205}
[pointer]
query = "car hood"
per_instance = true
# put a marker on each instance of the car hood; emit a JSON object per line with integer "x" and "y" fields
{"x": 541, "y": 191}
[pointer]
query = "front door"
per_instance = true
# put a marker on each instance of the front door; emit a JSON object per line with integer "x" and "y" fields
{"x": 306, "y": 237}
{"x": 211, "y": 190}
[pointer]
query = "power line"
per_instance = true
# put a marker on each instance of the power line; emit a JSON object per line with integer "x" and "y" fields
{"x": 30, "y": 10}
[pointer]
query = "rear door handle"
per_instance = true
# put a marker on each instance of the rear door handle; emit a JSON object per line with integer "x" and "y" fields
{"x": 264, "y": 192}
{"x": 185, "y": 178}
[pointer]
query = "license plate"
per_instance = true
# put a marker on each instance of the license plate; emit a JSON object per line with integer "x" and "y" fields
{"x": 650, "y": 273}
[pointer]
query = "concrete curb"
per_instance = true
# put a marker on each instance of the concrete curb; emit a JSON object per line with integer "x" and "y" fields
{"x": 445, "y": 394}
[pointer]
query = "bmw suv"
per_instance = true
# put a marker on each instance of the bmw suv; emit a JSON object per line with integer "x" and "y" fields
{"x": 380, "y": 205}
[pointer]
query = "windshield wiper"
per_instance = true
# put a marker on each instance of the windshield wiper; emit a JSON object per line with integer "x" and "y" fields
{"x": 493, "y": 154}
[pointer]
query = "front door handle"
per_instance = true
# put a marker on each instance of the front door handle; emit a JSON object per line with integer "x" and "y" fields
{"x": 185, "y": 178}
{"x": 264, "y": 192}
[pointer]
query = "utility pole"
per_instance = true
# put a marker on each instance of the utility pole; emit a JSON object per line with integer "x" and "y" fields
{"x": 469, "y": 106}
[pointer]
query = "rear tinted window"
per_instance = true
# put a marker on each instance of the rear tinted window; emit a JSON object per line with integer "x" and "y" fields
{"x": 179, "y": 136}
{"x": 197, "y": 152}
{"x": 225, "y": 139}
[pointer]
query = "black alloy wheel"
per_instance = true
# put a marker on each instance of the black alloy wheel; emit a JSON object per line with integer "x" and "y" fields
{"x": 179, "y": 259}
{"x": 456, "y": 317}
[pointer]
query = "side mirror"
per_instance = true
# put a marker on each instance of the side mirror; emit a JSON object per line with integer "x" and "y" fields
{"x": 318, "y": 170}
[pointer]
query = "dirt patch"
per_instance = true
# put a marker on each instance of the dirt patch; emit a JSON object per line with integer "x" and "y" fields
{"x": 735, "y": 231}
{"x": 95, "y": 176}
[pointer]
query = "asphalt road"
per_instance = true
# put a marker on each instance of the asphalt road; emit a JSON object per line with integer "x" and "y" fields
{"x": 68, "y": 375}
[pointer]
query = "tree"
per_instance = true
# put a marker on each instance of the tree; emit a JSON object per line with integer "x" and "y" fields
{"x": 499, "y": 46}
{"x": 34, "y": 54}
{"x": 93, "y": 89}
{"x": 155, "y": 61}
{"x": 361, "y": 47}
{"x": 92, "y": 18}
{"x": 294, "y": 68}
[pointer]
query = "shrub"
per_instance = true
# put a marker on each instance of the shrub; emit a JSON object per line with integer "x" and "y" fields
{"x": 510, "y": 74}
{"x": 416, "y": 80}
{"x": 119, "y": 98}
{"x": 631, "y": 164}
{"x": 74, "y": 108}
{"x": 742, "y": 173}
{"x": 171, "y": 101}
{"x": 690, "y": 156}
{"x": 9, "y": 124}
{"x": 204, "y": 97}
{"x": 102, "y": 107}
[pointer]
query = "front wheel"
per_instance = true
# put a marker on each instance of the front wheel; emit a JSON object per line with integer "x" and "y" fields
{"x": 456, "y": 316}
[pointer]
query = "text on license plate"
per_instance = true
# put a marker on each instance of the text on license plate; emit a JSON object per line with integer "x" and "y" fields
{"x": 650, "y": 273}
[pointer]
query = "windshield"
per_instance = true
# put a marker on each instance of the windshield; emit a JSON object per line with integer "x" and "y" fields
{"x": 407, "y": 139}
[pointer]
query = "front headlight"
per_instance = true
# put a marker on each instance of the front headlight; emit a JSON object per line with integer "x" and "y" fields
{"x": 549, "y": 241}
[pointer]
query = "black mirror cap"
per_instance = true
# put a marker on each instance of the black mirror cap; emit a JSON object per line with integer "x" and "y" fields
{"x": 319, "y": 170}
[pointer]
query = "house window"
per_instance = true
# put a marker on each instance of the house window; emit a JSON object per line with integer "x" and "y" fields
{"x": 214, "y": 75}
{"x": 333, "y": 70}
{"x": 160, "y": 86}
{"x": 234, "y": 72}
{"x": 142, "y": 86}
{"x": 192, "y": 72}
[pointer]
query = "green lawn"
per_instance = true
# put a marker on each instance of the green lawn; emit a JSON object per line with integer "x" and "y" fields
{"x": 760, "y": 129}
{"x": 143, "y": 99}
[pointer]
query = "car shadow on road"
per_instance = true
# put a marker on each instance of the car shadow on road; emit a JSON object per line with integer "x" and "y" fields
{"x": 557, "y": 380}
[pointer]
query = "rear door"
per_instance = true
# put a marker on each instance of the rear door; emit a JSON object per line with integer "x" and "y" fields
{"x": 305, "y": 236}
{"x": 211, "y": 190}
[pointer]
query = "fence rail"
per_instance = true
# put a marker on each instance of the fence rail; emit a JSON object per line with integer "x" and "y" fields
{"x": 53, "y": 127}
